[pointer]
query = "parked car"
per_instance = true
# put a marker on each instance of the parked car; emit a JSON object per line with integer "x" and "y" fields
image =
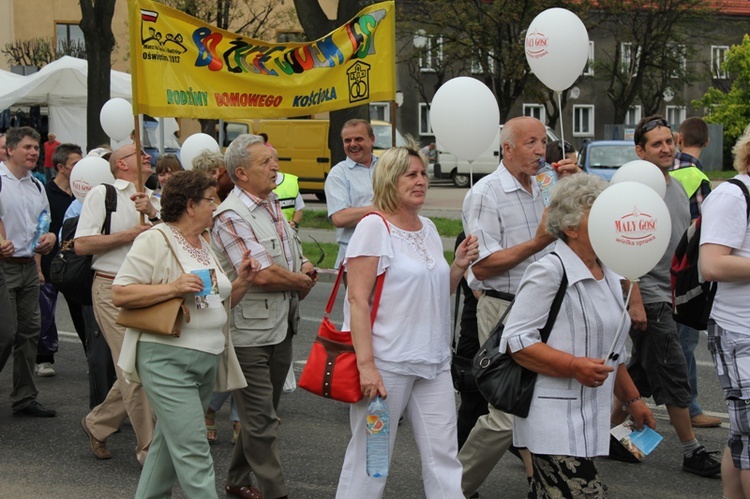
{"x": 604, "y": 157}
{"x": 150, "y": 139}
{"x": 450, "y": 167}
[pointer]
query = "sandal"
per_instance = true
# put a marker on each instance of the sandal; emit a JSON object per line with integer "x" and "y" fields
{"x": 211, "y": 426}
{"x": 235, "y": 431}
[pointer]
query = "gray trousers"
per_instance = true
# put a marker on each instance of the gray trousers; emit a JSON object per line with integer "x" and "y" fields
{"x": 22, "y": 281}
{"x": 7, "y": 333}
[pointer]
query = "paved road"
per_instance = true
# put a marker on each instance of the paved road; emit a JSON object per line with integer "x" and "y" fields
{"x": 51, "y": 458}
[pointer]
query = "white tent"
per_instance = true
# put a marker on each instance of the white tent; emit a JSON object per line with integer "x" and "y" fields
{"x": 62, "y": 86}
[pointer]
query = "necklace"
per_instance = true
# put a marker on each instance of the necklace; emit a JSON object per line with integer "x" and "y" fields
{"x": 199, "y": 254}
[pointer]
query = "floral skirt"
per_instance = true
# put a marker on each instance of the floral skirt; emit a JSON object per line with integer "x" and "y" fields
{"x": 565, "y": 477}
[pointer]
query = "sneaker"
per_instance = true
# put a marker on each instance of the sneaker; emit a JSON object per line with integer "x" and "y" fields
{"x": 44, "y": 370}
{"x": 703, "y": 421}
{"x": 702, "y": 463}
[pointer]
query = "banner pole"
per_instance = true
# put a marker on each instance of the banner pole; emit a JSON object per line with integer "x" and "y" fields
{"x": 139, "y": 159}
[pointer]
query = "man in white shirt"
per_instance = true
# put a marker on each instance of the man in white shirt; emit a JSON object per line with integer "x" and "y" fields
{"x": 24, "y": 199}
{"x": 348, "y": 186}
{"x": 505, "y": 211}
{"x": 109, "y": 251}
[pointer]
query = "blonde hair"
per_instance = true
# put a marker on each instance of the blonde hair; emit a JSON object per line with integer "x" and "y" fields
{"x": 741, "y": 151}
{"x": 393, "y": 163}
{"x": 207, "y": 161}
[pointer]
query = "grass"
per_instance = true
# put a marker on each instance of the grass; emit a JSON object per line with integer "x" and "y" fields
{"x": 318, "y": 219}
{"x": 312, "y": 252}
{"x": 721, "y": 175}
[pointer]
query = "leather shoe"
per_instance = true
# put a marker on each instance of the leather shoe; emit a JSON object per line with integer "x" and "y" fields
{"x": 36, "y": 410}
{"x": 98, "y": 447}
{"x": 703, "y": 421}
{"x": 247, "y": 492}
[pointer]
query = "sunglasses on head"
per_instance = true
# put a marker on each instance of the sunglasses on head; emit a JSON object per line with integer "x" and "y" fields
{"x": 648, "y": 126}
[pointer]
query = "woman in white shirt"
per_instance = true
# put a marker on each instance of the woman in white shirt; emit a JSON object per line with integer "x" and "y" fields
{"x": 568, "y": 422}
{"x": 178, "y": 373}
{"x": 725, "y": 258}
{"x": 406, "y": 354}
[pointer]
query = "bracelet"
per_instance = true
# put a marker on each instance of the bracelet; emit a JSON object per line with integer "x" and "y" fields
{"x": 630, "y": 402}
{"x": 460, "y": 267}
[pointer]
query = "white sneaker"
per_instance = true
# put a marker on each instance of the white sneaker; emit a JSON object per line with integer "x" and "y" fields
{"x": 44, "y": 370}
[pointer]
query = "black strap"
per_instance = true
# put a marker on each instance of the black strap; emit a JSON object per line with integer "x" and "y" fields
{"x": 739, "y": 183}
{"x": 556, "y": 303}
{"x": 110, "y": 205}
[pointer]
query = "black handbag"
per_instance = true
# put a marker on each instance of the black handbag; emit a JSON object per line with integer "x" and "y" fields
{"x": 505, "y": 384}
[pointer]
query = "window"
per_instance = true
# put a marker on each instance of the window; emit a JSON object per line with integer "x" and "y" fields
{"x": 535, "y": 110}
{"x": 629, "y": 57}
{"x": 583, "y": 121}
{"x": 69, "y": 36}
{"x": 489, "y": 65}
{"x": 589, "y": 69}
{"x": 424, "y": 120}
{"x": 678, "y": 52}
{"x": 431, "y": 54}
{"x": 718, "y": 58}
{"x": 633, "y": 116}
{"x": 675, "y": 115}
{"x": 380, "y": 111}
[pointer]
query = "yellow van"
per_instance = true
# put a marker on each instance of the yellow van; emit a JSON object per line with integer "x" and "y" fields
{"x": 303, "y": 146}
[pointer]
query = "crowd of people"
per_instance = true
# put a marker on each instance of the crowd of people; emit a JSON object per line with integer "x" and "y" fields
{"x": 223, "y": 237}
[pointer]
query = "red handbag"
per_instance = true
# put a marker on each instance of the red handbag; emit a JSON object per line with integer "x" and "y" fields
{"x": 331, "y": 370}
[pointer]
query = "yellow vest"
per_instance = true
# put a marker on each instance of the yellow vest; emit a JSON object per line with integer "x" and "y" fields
{"x": 691, "y": 178}
{"x": 287, "y": 191}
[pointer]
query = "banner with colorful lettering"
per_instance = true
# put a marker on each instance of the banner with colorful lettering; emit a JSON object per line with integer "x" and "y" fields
{"x": 185, "y": 68}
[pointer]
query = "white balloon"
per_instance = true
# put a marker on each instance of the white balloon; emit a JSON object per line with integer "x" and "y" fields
{"x": 629, "y": 228}
{"x": 464, "y": 116}
{"x": 194, "y": 145}
{"x": 87, "y": 174}
{"x": 116, "y": 118}
{"x": 643, "y": 172}
{"x": 557, "y": 48}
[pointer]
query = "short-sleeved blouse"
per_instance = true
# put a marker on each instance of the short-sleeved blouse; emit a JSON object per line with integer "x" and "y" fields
{"x": 411, "y": 334}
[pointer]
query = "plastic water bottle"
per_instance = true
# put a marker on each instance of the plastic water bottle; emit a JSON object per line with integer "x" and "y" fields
{"x": 42, "y": 227}
{"x": 546, "y": 177}
{"x": 378, "y": 430}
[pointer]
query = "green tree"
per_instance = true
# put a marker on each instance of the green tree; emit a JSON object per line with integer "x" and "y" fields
{"x": 731, "y": 108}
{"x": 648, "y": 44}
{"x": 484, "y": 39}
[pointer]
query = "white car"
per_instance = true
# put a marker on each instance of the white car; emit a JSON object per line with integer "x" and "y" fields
{"x": 450, "y": 167}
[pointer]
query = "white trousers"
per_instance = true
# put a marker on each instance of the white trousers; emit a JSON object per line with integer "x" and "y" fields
{"x": 429, "y": 407}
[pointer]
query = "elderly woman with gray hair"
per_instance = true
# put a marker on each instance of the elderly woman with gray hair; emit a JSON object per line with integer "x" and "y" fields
{"x": 568, "y": 423}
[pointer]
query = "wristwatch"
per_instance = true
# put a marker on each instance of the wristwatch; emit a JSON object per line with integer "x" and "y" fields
{"x": 294, "y": 224}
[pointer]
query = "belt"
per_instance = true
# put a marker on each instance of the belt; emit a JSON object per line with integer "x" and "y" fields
{"x": 499, "y": 294}
{"x": 104, "y": 276}
{"x": 18, "y": 259}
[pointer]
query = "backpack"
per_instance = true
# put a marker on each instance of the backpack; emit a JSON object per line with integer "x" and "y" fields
{"x": 693, "y": 296}
{"x": 71, "y": 274}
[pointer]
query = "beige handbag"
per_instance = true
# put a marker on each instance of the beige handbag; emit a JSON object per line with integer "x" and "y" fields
{"x": 163, "y": 318}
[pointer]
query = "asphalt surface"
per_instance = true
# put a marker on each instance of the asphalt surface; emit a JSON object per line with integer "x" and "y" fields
{"x": 51, "y": 457}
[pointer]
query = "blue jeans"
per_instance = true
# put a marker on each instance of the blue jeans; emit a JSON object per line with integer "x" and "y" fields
{"x": 689, "y": 342}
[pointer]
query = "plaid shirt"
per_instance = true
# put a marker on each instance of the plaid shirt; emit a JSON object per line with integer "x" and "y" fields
{"x": 684, "y": 160}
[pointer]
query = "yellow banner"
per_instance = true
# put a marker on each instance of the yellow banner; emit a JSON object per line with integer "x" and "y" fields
{"x": 183, "y": 67}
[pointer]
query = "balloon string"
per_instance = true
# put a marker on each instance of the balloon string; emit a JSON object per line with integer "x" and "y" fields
{"x": 611, "y": 354}
{"x": 560, "y": 120}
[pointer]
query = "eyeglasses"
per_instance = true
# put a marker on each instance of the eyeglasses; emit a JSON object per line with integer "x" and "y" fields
{"x": 143, "y": 153}
{"x": 647, "y": 127}
{"x": 322, "y": 253}
{"x": 211, "y": 200}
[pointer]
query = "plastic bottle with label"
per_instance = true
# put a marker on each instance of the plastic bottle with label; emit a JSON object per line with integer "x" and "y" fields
{"x": 42, "y": 227}
{"x": 378, "y": 431}
{"x": 546, "y": 178}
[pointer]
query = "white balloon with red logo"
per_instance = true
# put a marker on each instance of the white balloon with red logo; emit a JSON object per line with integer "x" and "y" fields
{"x": 195, "y": 145}
{"x": 557, "y": 48}
{"x": 465, "y": 117}
{"x": 643, "y": 172}
{"x": 116, "y": 118}
{"x": 629, "y": 228}
{"x": 87, "y": 174}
